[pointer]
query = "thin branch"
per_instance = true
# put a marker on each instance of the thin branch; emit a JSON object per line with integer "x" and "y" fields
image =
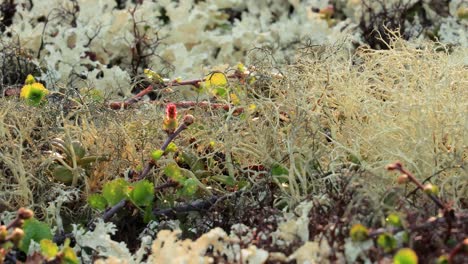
{"x": 198, "y": 205}
{"x": 169, "y": 139}
{"x": 399, "y": 167}
{"x": 430, "y": 224}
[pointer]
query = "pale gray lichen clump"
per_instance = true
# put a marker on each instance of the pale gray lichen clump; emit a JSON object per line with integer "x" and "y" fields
{"x": 95, "y": 43}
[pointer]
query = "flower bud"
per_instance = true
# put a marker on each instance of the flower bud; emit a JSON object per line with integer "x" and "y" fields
{"x": 30, "y": 79}
{"x": 394, "y": 166}
{"x": 431, "y": 189}
{"x": 3, "y": 233}
{"x": 402, "y": 179}
{"x": 25, "y": 214}
{"x": 16, "y": 236}
{"x": 171, "y": 111}
{"x": 170, "y": 121}
{"x": 188, "y": 120}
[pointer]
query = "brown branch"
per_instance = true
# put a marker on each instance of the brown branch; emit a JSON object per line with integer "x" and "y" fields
{"x": 195, "y": 82}
{"x": 399, "y": 167}
{"x": 169, "y": 139}
{"x": 125, "y": 104}
{"x": 206, "y": 105}
{"x": 459, "y": 248}
{"x": 198, "y": 205}
{"x": 114, "y": 209}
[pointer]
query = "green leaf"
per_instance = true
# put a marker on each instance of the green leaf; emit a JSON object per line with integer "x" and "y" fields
{"x": 190, "y": 187}
{"x": 359, "y": 232}
{"x": 405, "y": 256}
{"x": 62, "y": 174}
{"x": 442, "y": 260}
{"x": 354, "y": 159}
{"x": 94, "y": 94}
{"x": 173, "y": 171}
{"x": 48, "y": 248}
{"x": 243, "y": 184}
{"x": 97, "y": 201}
{"x": 192, "y": 161}
{"x": 153, "y": 76}
{"x": 228, "y": 180}
{"x": 34, "y": 230}
{"x": 148, "y": 216}
{"x": 157, "y": 154}
{"x": 114, "y": 191}
{"x": 387, "y": 242}
{"x": 278, "y": 170}
{"x": 220, "y": 91}
{"x": 142, "y": 193}
{"x": 90, "y": 159}
{"x": 172, "y": 147}
{"x": 394, "y": 219}
{"x": 79, "y": 149}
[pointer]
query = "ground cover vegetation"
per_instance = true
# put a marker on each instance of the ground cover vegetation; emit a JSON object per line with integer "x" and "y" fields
{"x": 233, "y": 131}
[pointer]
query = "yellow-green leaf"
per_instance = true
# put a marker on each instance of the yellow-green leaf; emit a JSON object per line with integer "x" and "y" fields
{"x": 394, "y": 220}
{"x": 142, "y": 193}
{"x": 216, "y": 79}
{"x": 69, "y": 256}
{"x": 115, "y": 191}
{"x": 173, "y": 171}
{"x": 157, "y": 154}
{"x": 97, "y": 201}
{"x": 190, "y": 187}
{"x": 48, "y": 248}
{"x": 387, "y": 242}
{"x": 359, "y": 232}
{"x": 405, "y": 256}
{"x": 153, "y": 76}
{"x": 172, "y": 147}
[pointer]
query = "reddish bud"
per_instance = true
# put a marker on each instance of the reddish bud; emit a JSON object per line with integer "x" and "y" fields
{"x": 403, "y": 178}
{"x": 171, "y": 111}
{"x": 394, "y": 166}
{"x": 25, "y": 214}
